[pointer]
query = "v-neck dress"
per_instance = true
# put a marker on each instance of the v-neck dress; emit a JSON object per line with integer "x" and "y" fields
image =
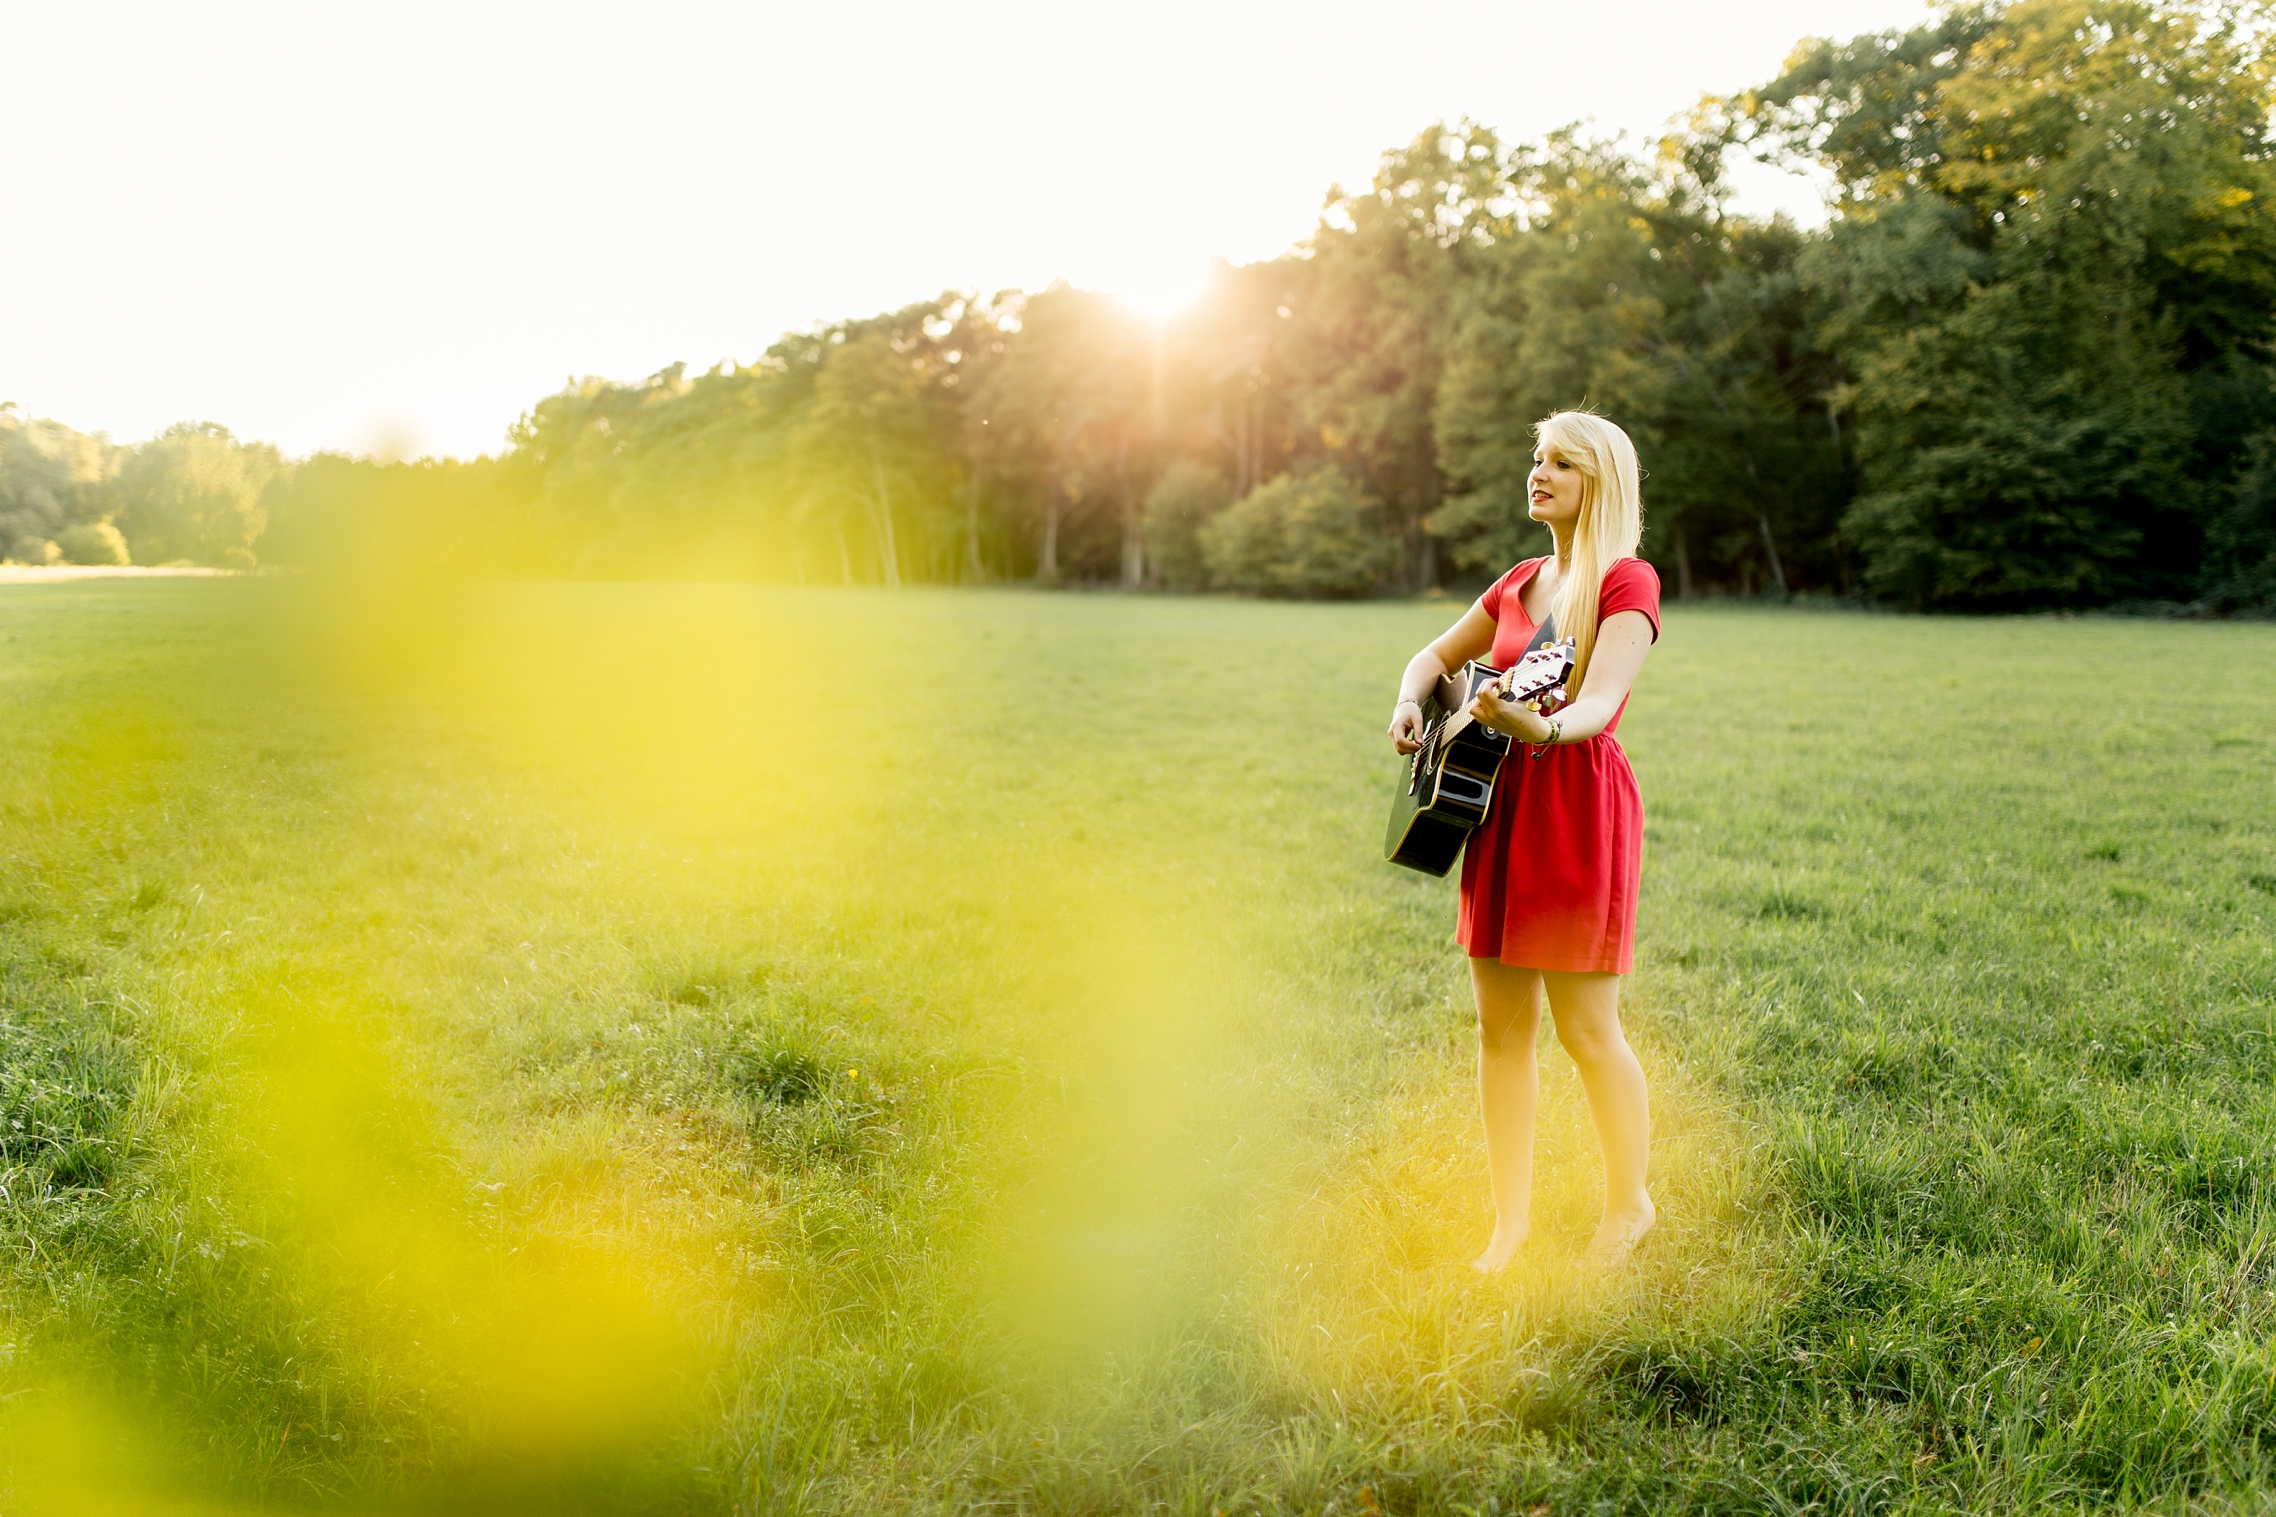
{"x": 1549, "y": 879}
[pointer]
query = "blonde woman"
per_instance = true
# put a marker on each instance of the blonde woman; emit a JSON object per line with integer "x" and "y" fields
{"x": 1549, "y": 879}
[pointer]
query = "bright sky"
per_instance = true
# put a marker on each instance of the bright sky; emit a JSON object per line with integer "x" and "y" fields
{"x": 396, "y": 227}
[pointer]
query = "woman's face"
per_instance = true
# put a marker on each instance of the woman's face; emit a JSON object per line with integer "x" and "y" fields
{"x": 1553, "y": 489}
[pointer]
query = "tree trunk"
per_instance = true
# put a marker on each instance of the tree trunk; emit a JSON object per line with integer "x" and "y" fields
{"x": 1426, "y": 545}
{"x": 1682, "y": 564}
{"x": 1241, "y": 449}
{"x": 1133, "y": 532}
{"x": 1762, "y": 517}
{"x": 884, "y": 503}
{"x": 1047, "y": 565}
{"x": 1770, "y": 544}
{"x": 975, "y": 572}
{"x": 845, "y": 556}
{"x": 1256, "y": 439}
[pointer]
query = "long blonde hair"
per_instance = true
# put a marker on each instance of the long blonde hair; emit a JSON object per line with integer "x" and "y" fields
{"x": 1610, "y": 525}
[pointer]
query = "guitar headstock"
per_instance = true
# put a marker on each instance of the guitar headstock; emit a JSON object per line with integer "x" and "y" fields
{"x": 1538, "y": 673}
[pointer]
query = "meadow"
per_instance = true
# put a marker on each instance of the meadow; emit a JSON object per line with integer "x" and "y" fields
{"x": 591, "y": 1048}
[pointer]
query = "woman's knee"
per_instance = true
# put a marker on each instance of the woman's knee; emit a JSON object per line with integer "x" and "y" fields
{"x": 1591, "y": 1040}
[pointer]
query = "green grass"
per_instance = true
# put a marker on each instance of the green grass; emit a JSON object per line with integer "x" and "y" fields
{"x": 614, "y": 1048}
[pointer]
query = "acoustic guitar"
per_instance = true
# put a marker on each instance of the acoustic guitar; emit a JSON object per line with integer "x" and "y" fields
{"x": 1450, "y": 778}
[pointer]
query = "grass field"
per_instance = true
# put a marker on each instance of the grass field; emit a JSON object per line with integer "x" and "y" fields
{"x": 651, "y": 1048}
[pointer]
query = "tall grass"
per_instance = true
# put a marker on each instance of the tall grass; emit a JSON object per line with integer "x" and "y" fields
{"x": 649, "y": 1048}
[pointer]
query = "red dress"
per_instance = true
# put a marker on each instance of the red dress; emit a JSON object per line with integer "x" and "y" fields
{"x": 1549, "y": 878}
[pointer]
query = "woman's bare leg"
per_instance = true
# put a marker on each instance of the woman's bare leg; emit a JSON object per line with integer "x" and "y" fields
{"x": 1509, "y": 1085}
{"x": 1587, "y": 1010}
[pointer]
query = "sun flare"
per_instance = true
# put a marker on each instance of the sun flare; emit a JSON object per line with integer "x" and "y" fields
{"x": 1161, "y": 288}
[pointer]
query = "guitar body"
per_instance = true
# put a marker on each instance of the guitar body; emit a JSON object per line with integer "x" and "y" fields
{"x": 1450, "y": 782}
{"x": 1450, "y": 778}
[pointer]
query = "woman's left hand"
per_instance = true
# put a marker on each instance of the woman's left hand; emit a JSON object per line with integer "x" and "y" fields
{"x": 1512, "y": 717}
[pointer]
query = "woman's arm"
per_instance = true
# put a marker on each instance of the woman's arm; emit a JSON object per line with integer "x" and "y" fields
{"x": 1621, "y": 643}
{"x": 1471, "y": 637}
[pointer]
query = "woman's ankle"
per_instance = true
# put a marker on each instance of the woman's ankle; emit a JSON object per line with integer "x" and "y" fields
{"x": 1638, "y": 1207}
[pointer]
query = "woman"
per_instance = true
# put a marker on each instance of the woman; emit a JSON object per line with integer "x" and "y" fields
{"x": 1549, "y": 879}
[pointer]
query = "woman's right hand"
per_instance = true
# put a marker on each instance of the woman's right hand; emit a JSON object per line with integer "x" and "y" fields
{"x": 1406, "y": 727}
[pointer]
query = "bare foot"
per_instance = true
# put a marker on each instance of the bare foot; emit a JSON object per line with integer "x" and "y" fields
{"x": 1617, "y": 1238}
{"x": 1507, "y": 1240}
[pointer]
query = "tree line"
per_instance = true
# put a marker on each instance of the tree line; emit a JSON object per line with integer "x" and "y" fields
{"x": 2026, "y": 363}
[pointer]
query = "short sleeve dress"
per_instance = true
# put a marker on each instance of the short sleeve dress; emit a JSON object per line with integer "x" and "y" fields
{"x": 1549, "y": 879}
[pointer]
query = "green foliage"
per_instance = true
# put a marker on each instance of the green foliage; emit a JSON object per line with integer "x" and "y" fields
{"x": 95, "y": 542}
{"x": 1311, "y": 533}
{"x": 2057, "y": 223}
{"x": 192, "y": 494}
{"x": 841, "y": 457}
{"x": 51, "y": 481}
{"x": 1387, "y": 266}
{"x": 1183, "y": 501}
{"x": 399, "y": 524}
{"x": 2240, "y": 539}
{"x": 875, "y": 442}
{"x": 1633, "y": 293}
{"x": 1070, "y": 394}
